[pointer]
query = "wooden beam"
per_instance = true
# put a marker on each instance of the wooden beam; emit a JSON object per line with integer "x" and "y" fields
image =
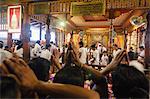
{"x": 85, "y": 27}
{"x": 25, "y": 32}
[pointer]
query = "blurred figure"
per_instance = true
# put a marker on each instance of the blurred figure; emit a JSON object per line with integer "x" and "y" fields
{"x": 40, "y": 67}
{"x": 10, "y": 88}
{"x": 70, "y": 75}
{"x": 129, "y": 82}
{"x": 53, "y": 47}
{"x": 7, "y": 49}
{"x": 3, "y": 53}
{"x": 82, "y": 53}
{"x": 116, "y": 50}
{"x": 131, "y": 54}
{"x": 95, "y": 60}
{"x": 19, "y": 49}
{"x": 104, "y": 59}
{"x": 36, "y": 50}
{"x": 46, "y": 53}
{"x": 141, "y": 55}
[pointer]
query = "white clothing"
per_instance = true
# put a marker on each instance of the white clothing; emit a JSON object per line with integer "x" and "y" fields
{"x": 19, "y": 52}
{"x": 142, "y": 54}
{"x": 96, "y": 57}
{"x": 52, "y": 48}
{"x": 100, "y": 49}
{"x": 83, "y": 56}
{"x": 104, "y": 60}
{"x": 115, "y": 52}
{"x": 46, "y": 54}
{"x": 37, "y": 50}
{"x": 4, "y": 55}
{"x": 104, "y": 49}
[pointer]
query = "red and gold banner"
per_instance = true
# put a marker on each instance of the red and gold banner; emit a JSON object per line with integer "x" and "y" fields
{"x": 14, "y": 19}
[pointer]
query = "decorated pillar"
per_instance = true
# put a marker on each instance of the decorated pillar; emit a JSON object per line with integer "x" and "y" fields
{"x": 48, "y": 36}
{"x": 147, "y": 42}
{"x": 9, "y": 40}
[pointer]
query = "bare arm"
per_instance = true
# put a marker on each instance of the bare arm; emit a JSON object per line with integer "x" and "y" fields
{"x": 28, "y": 80}
{"x": 103, "y": 72}
{"x": 65, "y": 91}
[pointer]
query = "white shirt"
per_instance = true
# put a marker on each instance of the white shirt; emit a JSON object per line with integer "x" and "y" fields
{"x": 52, "y": 48}
{"x": 46, "y": 54}
{"x": 19, "y": 52}
{"x": 37, "y": 50}
{"x": 96, "y": 56}
{"x": 83, "y": 57}
{"x": 104, "y": 60}
{"x": 141, "y": 55}
{"x": 4, "y": 55}
{"x": 115, "y": 52}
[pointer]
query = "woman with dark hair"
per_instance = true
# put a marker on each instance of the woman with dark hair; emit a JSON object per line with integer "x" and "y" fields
{"x": 129, "y": 82}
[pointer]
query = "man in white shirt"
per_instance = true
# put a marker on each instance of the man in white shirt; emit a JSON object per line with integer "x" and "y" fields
{"x": 116, "y": 50}
{"x": 141, "y": 55}
{"x": 37, "y": 49}
{"x": 83, "y": 53}
{"x": 53, "y": 47}
{"x": 95, "y": 55}
{"x": 3, "y": 53}
{"x": 19, "y": 49}
{"x": 104, "y": 59}
{"x": 46, "y": 53}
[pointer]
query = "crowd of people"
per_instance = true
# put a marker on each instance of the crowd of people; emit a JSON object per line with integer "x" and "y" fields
{"x": 84, "y": 73}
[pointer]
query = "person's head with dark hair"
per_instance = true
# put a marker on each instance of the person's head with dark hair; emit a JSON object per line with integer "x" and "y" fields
{"x": 81, "y": 44}
{"x": 48, "y": 46}
{"x": 115, "y": 46}
{"x": 6, "y": 48}
{"x": 20, "y": 45}
{"x": 128, "y": 82}
{"x": 40, "y": 67}
{"x": 1, "y": 44}
{"x": 93, "y": 47}
{"x": 131, "y": 49}
{"x": 9, "y": 88}
{"x": 141, "y": 48}
{"x": 18, "y": 42}
{"x": 105, "y": 53}
{"x": 38, "y": 42}
{"x": 70, "y": 75}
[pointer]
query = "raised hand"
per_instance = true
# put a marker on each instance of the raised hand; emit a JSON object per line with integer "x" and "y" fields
{"x": 114, "y": 63}
{"x": 22, "y": 71}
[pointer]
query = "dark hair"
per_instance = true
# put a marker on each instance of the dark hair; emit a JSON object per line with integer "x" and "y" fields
{"x": 115, "y": 45}
{"x": 38, "y": 41}
{"x": 93, "y": 46}
{"x": 141, "y": 47}
{"x": 47, "y": 46}
{"x": 70, "y": 75}
{"x": 40, "y": 67}
{"x": 19, "y": 46}
{"x": 9, "y": 87}
{"x": 81, "y": 44}
{"x": 128, "y": 82}
{"x": 1, "y": 44}
{"x": 131, "y": 48}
